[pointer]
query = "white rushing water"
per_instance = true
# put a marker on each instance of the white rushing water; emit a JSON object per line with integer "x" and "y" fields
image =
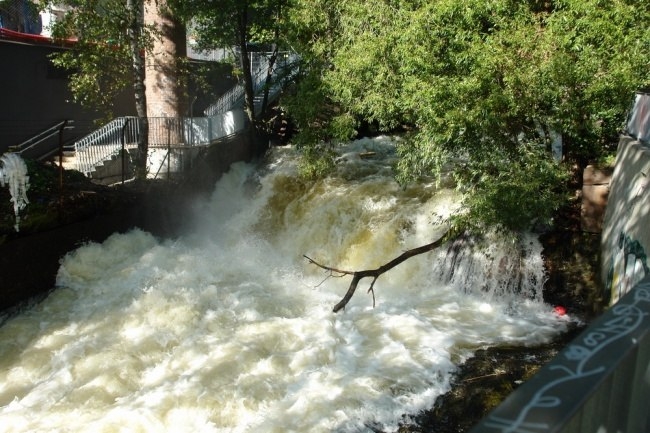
{"x": 229, "y": 329}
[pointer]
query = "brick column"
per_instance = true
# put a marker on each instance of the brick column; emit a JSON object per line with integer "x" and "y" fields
{"x": 166, "y": 87}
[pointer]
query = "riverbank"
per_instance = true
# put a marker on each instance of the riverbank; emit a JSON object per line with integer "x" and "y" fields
{"x": 58, "y": 220}
{"x": 66, "y": 210}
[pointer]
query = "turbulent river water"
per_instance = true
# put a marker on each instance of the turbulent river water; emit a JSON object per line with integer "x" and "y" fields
{"x": 228, "y": 328}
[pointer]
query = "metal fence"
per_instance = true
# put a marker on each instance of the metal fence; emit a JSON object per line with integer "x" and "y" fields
{"x": 215, "y": 55}
{"x": 21, "y": 16}
{"x": 600, "y": 383}
{"x": 285, "y": 66}
{"x": 165, "y": 133}
{"x": 105, "y": 142}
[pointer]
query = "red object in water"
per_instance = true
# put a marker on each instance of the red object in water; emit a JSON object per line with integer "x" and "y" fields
{"x": 560, "y": 310}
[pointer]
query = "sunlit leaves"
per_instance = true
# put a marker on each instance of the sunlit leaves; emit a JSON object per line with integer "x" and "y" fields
{"x": 101, "y": 60}
{"x": 485, "y": 84}
{"x": 512, "y": 189}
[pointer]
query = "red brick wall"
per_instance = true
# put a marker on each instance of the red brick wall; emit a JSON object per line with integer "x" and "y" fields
{"x": 165, "y": 87}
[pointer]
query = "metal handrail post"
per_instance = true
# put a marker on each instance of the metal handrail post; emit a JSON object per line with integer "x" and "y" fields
{"x": 126, "y": 124}
{"x": 61, "y": 129}
{"x": 169, "y": 148}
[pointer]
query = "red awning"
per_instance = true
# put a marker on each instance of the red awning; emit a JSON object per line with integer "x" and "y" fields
{"x": 33, "y": 39}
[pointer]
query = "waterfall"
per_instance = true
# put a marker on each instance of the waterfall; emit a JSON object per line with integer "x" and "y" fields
{"x": 497, "y": 266}
{"x": 229, "y": 329}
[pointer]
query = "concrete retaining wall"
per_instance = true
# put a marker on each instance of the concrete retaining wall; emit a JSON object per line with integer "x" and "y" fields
{"x": 625, "y": 238}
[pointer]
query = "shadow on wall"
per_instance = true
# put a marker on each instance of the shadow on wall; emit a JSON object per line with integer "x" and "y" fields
{"x": 626, "y": 237}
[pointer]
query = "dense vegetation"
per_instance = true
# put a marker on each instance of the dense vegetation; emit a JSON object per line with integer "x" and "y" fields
{"x": 488, "y": 85}
{"x": 484, "y": 86}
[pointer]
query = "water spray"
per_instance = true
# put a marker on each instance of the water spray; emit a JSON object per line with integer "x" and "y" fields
{"x": 13, "y": 173}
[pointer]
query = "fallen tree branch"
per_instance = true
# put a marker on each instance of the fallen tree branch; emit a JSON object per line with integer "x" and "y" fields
{"x": 374, "y": 273}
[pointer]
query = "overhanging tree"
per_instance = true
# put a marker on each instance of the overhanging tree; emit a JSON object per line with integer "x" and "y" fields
{"x": 484, "y": 87}
{"x": 487, "y": 85}
{"x": 108, "y": 56}
{"x": 239, "y": 24}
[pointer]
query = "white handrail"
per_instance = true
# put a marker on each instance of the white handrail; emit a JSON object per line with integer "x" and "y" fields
{"x": 235, "y": 96}
{"x": 103, "y": 143}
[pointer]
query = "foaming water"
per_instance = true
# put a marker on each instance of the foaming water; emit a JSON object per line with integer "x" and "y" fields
{"x": 229, "y": 329}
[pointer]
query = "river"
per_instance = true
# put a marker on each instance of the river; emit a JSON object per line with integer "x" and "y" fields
{"x": 228, "y": 328}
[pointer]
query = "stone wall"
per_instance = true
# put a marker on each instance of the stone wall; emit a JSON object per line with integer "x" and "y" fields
{"x": 625, "y": 239}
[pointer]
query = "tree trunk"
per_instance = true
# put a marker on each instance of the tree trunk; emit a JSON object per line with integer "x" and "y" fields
{"x": 245, "y": 63}
{"x": 134, "y": 33}
{"x": 164, "y": 78}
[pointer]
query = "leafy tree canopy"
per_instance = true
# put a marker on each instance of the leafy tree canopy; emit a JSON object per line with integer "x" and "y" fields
{"x": 217, "y": 24}
{"x": 102, "y": 58}
{"x": 244, "y": 25}
{"x": 487, "y": 85}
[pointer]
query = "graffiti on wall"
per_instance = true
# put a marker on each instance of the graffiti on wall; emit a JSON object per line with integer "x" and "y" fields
{"x": 586, "y": 367}
{"x": 628, "y": 266}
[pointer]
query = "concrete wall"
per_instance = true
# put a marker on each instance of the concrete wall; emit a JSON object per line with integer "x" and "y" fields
{"x": 625, "y": 240}
{"x": 599, "y": 383}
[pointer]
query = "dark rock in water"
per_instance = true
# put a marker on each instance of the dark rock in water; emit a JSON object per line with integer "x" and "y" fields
{"x": 482, "y": 383}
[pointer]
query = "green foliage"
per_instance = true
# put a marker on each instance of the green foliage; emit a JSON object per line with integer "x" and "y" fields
{"x": 101, "y": 60}
{"x": 217, "y": 24}
{"x": 244, "y": 26}
{"x": 480, "y": 81}
{"x": 317, "y": 161}
{"x": 512, "y": 190}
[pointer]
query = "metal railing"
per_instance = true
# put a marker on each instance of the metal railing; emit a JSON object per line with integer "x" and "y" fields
{"x": 285, "y": 65}
{"x": 106, "y": 142}
{"x": 216, "y": 55}
{"x": 122, "y": 135}
{"x": 599, "y": 383}
{"x": 41, "y": 145}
